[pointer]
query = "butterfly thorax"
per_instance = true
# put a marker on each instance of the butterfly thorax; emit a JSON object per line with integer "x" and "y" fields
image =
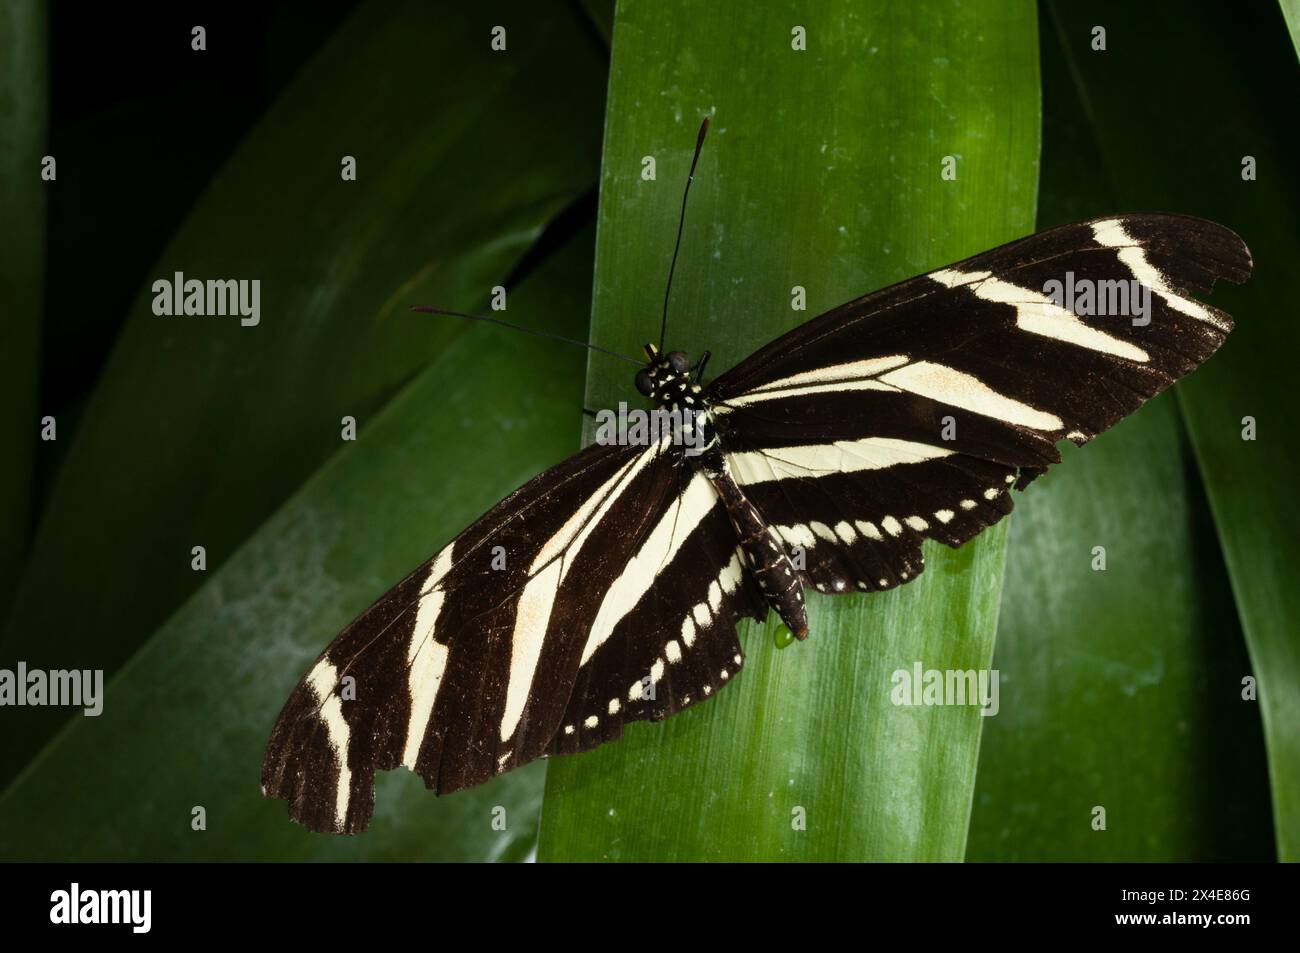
{"x": 669, "y": 380}
{"x": 672, "y": 383}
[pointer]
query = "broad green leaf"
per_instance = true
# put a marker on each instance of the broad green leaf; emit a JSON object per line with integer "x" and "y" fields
{"x": 1106, "y": 674}
{"x": 1291, "y": 14}
{"x": 23, "y": 97}
{"x": 1217, "y": 87}
{"x": 185, "y": 721}
{"x": 1120, "y": 688}
{"x": 822, "y": 170}
{"x": 200, "y": 427}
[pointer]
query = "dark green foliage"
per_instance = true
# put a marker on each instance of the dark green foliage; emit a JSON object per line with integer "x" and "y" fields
{"x": 1121, "y": 688}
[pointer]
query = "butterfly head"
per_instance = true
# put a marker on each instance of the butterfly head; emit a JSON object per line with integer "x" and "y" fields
{"x": 666, "y": 378}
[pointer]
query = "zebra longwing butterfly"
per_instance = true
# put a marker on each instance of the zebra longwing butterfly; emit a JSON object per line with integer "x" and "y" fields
{"x": 823, "y": 467}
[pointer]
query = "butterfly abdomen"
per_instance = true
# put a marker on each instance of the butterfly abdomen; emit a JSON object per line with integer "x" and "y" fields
{"x": 765, "y": 555}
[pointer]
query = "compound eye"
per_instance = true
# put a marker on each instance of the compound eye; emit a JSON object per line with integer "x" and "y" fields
{"x": 679, "y": 362}
{"x": 643, "y": 382}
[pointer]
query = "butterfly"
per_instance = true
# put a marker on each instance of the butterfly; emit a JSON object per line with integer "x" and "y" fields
{"x": 608, "y": 589}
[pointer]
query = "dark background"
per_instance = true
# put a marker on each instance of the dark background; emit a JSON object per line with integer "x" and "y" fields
{"x": 139, "y": 126}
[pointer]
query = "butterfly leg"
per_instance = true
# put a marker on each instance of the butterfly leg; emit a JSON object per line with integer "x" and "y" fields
{"x": 699, "y": 366}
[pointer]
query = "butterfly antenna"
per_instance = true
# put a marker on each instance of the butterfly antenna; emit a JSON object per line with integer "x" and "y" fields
{"x": 425, "y": 309}
{"x": 681, "y": 221}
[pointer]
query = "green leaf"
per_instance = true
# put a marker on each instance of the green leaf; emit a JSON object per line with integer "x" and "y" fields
{"x": 822, "y": 170}
{"x": 1120, "y": 688}
{"x": 200, "y": 427}
{"x": 1212, "y": 84}
{"x": 23, "y": 97}
{"x": 1291, "y": 13}
{"x": 1106, "y": 674}
{"x": 186, "y": 720}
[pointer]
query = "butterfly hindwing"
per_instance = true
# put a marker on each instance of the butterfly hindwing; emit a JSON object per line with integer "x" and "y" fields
{"x": 677, "y": 644}
{"x": 860, "y": 530}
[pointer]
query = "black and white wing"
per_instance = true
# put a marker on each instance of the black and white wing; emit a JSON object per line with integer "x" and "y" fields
{"x": 910, "y": 413}
{"x": 604, "y": 591}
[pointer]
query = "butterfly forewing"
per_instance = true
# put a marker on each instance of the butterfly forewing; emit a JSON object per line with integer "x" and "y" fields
{"x": 522, "y": 637}
{"x": 909, "y": 413}
{"x": 421, "y": 678}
